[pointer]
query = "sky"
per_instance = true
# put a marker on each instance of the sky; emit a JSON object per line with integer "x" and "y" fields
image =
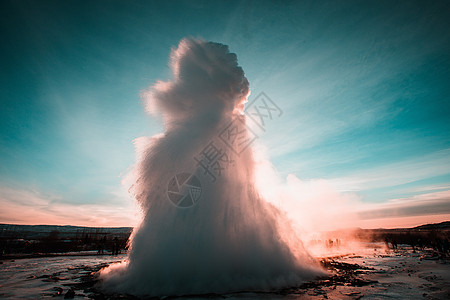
{"x": 363, "y": 87}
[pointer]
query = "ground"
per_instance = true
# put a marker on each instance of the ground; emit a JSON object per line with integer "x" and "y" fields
{"x": 371, "y": 274}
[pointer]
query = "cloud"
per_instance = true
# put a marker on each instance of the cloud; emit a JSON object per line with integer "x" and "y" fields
{"x": 30, "y": 206}
{"x": 428, "y": 188}
{"x": 419, "y": 205}
{"x": 394, "y": 174}
{"x": 318, "y": 205}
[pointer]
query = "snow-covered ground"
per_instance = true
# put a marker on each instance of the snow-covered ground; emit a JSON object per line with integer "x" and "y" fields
{"x": 376, "y": 274}
{"x": 396, "y": 275}
{"x": 35, "y": 278}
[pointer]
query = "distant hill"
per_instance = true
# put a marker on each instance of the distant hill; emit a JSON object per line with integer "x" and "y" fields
{"x": 442, "y": 225}
{"x": 31, "y": 232}
{"x": 67, "y": 231}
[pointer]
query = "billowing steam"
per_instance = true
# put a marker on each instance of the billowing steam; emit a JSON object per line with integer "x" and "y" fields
{"x": 231, "y": 239}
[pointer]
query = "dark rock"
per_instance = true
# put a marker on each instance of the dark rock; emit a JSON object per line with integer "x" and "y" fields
{"x": 70, "y": 294}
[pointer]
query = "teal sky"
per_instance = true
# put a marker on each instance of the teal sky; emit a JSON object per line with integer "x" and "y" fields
{"x": 364, "y": 87}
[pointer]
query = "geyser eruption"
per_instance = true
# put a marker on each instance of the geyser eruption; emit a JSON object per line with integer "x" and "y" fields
{"x": 219, "y": 235}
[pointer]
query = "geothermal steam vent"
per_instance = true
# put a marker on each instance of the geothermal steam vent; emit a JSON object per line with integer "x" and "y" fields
{"x": 219, "y": 235}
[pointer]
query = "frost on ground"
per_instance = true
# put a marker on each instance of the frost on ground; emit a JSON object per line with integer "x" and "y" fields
{"x": 43, "y": 277}
{"x": 374, "y": 274}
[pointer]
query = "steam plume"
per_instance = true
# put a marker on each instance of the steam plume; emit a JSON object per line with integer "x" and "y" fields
{"x": 232, "y": 239}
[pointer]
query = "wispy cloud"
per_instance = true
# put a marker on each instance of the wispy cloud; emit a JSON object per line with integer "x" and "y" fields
{"x": 397, "y": 173}
{"x": 28, "y": 206}
{"x": 419, "y": 205}
{"x": 427, "y": 188}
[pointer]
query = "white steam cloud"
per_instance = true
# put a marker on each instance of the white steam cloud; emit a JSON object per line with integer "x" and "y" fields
{"x": 231, "y": 239}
